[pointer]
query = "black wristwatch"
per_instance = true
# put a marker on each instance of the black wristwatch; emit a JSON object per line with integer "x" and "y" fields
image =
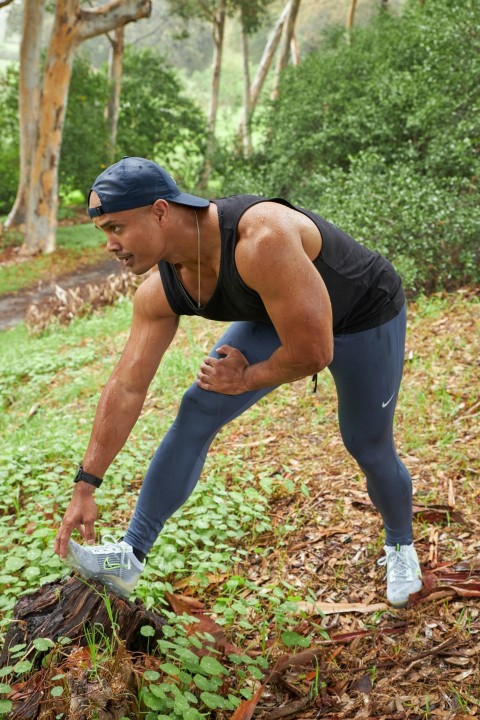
{"x": 87, "y": 477}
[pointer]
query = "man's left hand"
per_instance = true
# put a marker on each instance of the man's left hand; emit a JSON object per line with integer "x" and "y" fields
{"x": 226, "y": 374}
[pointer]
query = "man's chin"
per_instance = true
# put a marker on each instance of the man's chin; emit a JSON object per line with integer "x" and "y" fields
{"x": 139, "y": 270}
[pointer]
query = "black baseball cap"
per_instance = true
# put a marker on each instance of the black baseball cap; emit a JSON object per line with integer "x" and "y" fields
{"x": 134, "y": 182}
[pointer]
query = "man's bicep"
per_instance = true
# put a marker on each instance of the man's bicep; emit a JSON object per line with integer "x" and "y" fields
{"x": 296, "y": 300}
{"x": 153, "y": 328}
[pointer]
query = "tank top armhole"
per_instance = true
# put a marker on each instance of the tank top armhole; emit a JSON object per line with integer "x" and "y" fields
{"x": 164, "y": 271}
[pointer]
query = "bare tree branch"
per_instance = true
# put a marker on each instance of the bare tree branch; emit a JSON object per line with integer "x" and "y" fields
{"x": 95, "y": 21}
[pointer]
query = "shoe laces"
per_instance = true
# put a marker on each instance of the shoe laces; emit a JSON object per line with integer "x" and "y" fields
{"x": 399, "y": 565}
{"x": 109, "y": 543}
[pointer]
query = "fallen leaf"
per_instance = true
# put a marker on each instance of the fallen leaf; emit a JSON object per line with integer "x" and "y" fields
{"x": 191, "y": 606}
{"x": 246, "y": 709}
{"x": 323, "y": 608}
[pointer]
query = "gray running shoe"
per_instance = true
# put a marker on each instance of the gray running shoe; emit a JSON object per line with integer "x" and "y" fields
{"x": 404, "y": 576}
{"x": 112, "y": 563}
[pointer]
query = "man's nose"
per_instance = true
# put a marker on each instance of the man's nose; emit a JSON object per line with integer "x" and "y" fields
{"x": 112, "y": 244}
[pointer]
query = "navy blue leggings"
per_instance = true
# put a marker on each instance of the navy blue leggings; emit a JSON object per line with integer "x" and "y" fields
{"x": 367, "y": 370}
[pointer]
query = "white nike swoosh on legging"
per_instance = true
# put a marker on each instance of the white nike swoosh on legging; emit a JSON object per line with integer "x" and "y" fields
{"x": 384, "y": 404}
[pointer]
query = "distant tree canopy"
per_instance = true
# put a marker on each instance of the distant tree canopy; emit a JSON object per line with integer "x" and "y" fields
{"x": 382, "y": 137}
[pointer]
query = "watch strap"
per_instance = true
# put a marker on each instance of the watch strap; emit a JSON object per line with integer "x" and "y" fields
{"x": 87, "y": 477}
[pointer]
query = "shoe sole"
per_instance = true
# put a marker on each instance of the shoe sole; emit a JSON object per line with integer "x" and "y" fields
{"x": 120, "y": 590}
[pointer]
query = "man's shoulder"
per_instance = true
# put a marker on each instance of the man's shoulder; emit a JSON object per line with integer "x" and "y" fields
{"x": 150, "y": 301}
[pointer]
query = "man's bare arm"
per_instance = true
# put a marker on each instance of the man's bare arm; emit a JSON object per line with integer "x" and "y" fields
{"x": 121, "y": 401}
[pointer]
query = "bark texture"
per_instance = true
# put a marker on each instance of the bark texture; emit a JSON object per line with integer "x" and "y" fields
{"x": 285, "y": 44}
{"x": 115, "y": 71}
{"x": 28, "y": 102}
{"x": 72, "y": 26}
{"x": 66, "y": 608}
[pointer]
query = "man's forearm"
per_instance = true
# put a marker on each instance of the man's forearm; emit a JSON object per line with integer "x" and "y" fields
{"x": 117, "y": 412}
{"x": 280, "y": 369}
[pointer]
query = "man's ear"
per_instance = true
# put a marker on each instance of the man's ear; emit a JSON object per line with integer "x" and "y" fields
{"x": 161, "y": 209}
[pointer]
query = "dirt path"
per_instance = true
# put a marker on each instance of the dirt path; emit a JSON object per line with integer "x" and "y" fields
{"x": 14, "y": 305}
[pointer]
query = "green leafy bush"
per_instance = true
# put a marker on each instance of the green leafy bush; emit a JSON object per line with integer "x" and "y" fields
{"x": 156, "y": 121}
{"x": 382, "y": 138}
{"x": 9, "y": 168}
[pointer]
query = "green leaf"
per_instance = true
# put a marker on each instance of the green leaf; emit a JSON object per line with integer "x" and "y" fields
{"x": 12, "y": 564}
{"x": 191, "y": 714}
{"x": 211, "y": 666}
{"x": 6, "y": 670}
{"x": 291, "y": 639}
{"x": 170, "y": 669}
{"x": 147, "y": 631}
{"x": 4, "y": 688}
{"x": 5, "y": 706}
{"x": 212, "y": 701}
{"x": 151, "y": 701}
{"x": 64, "y": 640}
{"x": 57, "y": 691}
{"x": 202, "y": 682}
{"x": 22, "y": 667}
{"x": 151, "y": 675}
{"x": 186, "y": 655}
{"x": 43, "y": 644}
{"x": 193, "y": 640}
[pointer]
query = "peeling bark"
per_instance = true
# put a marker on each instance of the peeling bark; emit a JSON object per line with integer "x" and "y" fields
{"x": 71, "y": 27}
{"x": 64, "y": 609}
{"x": 28, "y": 103}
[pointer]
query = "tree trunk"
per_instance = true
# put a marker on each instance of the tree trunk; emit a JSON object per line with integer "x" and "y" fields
{"x": 115, "y": 69}
{"x": 265, "y": 63}
{"x": 72, "y": 26}
{"x": 284, "y": 50}
{"x": 245, "y": 122}
{"x": 41, "y": 222}
{"x": 350, "y": 19}
{"x": 218, "y": 34}
{"x": 28, "y": 102}
{"x": 98, "y": 685}
{"x": 294, "y": 50}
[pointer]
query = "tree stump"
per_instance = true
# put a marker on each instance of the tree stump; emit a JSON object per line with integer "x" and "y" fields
{"x": 87, "y": 685}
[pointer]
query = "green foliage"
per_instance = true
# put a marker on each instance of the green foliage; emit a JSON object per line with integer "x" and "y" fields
{"x": 9, "y": 148}
{"x": 156, "y": 120}
{"x": 382, "y": 138}
{"x": 85, "y": 137}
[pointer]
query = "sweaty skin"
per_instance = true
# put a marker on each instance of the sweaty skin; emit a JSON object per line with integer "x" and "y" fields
{"x": 273, "y": 255}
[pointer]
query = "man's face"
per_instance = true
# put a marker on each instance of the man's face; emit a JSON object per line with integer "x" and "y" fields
{"x": 133, "y": 236}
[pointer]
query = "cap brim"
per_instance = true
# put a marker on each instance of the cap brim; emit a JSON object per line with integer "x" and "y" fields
{"x": 192, "y": 200}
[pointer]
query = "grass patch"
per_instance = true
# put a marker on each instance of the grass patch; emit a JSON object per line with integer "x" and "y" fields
{"x": 280, "y": 516}
{"x": 77, "y": 245}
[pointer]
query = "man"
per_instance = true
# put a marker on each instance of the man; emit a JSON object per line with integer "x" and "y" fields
{"x": 302, "y": 296}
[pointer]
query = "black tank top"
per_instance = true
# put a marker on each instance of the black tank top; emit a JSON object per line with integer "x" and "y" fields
{"x": 364, "y": 289}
